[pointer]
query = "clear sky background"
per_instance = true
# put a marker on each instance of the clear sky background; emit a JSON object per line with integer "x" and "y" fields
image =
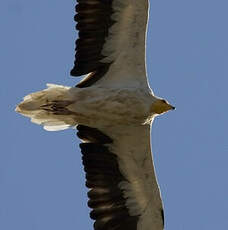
{"x": 41, "y": 176}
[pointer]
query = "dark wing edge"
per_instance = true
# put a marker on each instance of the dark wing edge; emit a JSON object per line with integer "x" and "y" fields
{"x": 102, "y": 178}
{"x": 93, "y": 18}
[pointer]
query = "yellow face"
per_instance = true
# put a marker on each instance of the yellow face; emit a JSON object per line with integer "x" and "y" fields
{"x": 161, "y": 106}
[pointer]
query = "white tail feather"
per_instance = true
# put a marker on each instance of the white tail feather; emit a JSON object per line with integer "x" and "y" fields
{"x": 49, "y": 108}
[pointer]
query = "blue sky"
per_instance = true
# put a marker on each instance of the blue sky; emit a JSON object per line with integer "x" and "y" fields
{"x": 41, "y": 177}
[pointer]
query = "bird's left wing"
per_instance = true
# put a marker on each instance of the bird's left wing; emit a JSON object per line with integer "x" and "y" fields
{"x": 123, "y": 193}
{"x": 111, "y": 42}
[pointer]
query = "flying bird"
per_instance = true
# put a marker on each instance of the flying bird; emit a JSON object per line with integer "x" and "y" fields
{"x": 112, "y": 108}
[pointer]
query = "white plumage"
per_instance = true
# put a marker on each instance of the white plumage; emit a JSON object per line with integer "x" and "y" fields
{"x": 60, "y": 107}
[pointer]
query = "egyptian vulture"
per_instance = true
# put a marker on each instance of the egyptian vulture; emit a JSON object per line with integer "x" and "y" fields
{"x": 112, "y": 109}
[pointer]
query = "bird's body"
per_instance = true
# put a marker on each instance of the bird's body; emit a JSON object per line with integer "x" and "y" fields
{"x": 113, "y": 109}
{"x": 60, "y": 107}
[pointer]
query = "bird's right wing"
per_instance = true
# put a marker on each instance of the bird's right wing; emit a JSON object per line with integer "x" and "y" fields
{"x": 111, "y": 42}
{"x": 124, "y": 193}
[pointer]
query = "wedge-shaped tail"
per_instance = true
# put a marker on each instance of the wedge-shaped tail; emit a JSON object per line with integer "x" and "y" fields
{"x": 49, "y": 108}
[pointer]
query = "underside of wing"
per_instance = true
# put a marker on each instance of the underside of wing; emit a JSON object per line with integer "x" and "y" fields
{"x": 110, "y": 48}
{"x": 119, "y": 173}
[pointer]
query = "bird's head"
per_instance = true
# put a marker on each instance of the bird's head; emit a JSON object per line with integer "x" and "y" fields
{"x": 160, "y": 106}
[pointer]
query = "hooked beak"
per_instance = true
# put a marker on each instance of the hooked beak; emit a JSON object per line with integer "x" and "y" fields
{"x": 171, "y": 107}
{"x": 160, "y": 107}
{"x": 166, "y": 107}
